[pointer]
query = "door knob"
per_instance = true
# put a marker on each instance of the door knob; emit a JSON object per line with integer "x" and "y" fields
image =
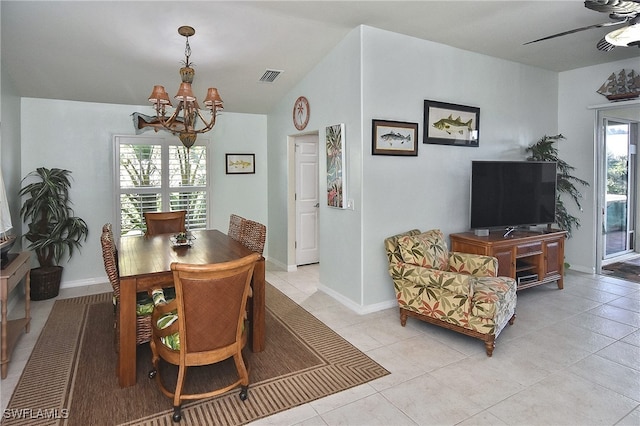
{"x": 317, "y": 205}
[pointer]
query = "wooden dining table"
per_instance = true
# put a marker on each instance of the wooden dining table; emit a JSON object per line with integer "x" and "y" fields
{"x": 145, "y": 263}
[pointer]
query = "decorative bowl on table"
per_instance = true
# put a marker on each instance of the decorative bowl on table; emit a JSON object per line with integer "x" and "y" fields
{"x": 182, "y": 239}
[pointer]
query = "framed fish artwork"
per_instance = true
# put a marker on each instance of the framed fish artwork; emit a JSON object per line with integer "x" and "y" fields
{"x": 394, "y": 138}
{"x": 451, "y": 124}
{"x": 240, "y": 164}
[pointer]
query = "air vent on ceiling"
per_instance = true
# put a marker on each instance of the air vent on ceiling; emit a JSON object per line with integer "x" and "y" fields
{"x": 269, "y": 76}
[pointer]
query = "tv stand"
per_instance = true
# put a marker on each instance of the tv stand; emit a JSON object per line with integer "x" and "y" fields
{"x": 531, "y": 258}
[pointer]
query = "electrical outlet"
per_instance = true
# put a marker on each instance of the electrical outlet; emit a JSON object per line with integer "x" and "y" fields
{"x": 350, "y": 204}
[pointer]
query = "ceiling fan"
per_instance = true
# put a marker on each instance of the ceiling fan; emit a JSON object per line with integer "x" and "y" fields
{"x": 620, "y": 12}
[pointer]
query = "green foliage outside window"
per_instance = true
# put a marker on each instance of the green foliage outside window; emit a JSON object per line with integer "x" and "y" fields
{"x": 616, "y": 174}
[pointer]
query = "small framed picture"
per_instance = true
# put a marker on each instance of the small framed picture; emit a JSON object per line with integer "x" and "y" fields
{"x": 240, "y": 164}
{"x": 451, "y": 124}
{"x": 394, "y": 138}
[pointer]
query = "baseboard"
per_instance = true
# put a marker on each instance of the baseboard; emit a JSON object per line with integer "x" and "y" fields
{"x": 584, "y": 269}
{"x": 84, "y": 282}
{"x": 284, "y": 266}
{"x": 359, "y": 309}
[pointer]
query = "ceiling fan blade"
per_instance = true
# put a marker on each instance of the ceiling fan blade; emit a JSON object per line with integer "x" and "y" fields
{"x": 615, "y": 7}
{"x": 604, "y": 45}
{"x": 588, "y": 27}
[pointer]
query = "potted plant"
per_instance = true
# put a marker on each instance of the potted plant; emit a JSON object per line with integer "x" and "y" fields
{"x": 544, "y": 150}
{"x": 53, "y": 228}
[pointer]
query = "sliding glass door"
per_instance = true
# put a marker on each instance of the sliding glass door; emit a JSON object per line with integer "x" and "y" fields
{"x": 620, "y": 190}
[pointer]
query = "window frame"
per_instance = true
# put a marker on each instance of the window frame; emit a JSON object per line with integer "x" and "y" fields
{"x": 165, "y": 190}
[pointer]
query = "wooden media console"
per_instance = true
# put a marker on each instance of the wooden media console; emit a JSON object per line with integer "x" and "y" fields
{"x": 531, "y": 258}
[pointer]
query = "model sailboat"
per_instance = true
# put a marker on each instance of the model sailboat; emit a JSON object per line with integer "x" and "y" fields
{"x": 621, "y": 86}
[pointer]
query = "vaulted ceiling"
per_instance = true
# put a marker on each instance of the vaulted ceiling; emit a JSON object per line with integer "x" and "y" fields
{"x": 114, "y": 52}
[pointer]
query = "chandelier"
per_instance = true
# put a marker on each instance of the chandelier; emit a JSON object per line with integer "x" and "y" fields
{"x": 183, "y": 120}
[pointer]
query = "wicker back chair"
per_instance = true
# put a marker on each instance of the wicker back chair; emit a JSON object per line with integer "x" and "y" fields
{"x": 143, "y": 308}
{"x": 165, "y": 222}
{"x": 110, "y": 258}
{"x": 253, "y": 235}
{"x": 204, "y": 324}
{"x": 235, "y": 223}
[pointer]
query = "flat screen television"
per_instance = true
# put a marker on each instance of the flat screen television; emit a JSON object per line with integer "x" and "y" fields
{"x": 509, "y": 194}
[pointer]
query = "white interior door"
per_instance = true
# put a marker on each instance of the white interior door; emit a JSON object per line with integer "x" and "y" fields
{"x": 307, "y": 200}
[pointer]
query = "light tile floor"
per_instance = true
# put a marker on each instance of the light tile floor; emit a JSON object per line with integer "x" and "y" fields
{"x": 571, "y": 358}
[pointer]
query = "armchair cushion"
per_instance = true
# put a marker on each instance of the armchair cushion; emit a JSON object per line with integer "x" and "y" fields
{"x": 473, "y": 264}
{"x": 393, "y": 249}
{"x": 425, "y": 277}
{"x": 437, "y": 303}
{"x": 428, "y": 250}
{"x": 489, "y": 294}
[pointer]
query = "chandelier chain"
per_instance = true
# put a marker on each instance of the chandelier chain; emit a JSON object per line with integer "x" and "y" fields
{"x": 187, "y": 54}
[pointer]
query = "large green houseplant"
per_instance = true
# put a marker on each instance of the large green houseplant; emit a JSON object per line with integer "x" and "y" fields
{"x": 545, "y": 150}
{"x": 53, "y": 228}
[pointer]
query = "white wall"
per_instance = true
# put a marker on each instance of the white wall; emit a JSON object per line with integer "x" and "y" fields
{"x": 78, "y": 136}
{"x": 577, "y": 123}
{"x": 517, "y": 106}
{"x": 10, "y": 160}
{"x": 333, "y": 90}
{"x": 375, "y": 74}
{"x": 10, "y": 148}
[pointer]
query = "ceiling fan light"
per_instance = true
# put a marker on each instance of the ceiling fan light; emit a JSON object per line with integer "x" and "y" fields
{"x": 624, "y": 36}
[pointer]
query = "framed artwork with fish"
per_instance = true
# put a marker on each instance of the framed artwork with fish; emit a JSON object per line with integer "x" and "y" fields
{"x": 238, "y": 164}
{"x": 451, "y": 124}
{"x": 394, "y": 138}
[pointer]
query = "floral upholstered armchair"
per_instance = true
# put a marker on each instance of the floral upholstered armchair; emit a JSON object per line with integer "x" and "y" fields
{"x": 457, "y": 291}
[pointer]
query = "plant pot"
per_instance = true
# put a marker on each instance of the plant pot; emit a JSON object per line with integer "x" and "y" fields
{"x": 45, "y": 282}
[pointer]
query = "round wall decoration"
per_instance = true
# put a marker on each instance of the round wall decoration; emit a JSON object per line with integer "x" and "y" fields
{"x": 301, "y": 113}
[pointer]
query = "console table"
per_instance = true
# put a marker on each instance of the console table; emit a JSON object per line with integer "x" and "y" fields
{"x": 10, "y": 277}
{"x": 531, "y": 258}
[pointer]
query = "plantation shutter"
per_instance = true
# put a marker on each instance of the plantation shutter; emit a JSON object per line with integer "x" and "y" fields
{"x": 155, "y": 174}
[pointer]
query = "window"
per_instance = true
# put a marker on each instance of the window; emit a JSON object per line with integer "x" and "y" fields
{"x": 154, "y": 174}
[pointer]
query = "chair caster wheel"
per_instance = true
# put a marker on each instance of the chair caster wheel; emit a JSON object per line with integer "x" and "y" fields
{"x": 177, "y": 415}
{"x": 244, "y": 394}
{"x": 152, "y": 374}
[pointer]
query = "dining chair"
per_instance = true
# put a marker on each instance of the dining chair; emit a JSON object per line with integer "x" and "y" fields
{"x": 165, "y": 222}
{"x": 253, "y": 235}
{"x": 144, "y": 304}
{"x": 235, "y": 223}
{"x": 204, "y": 324}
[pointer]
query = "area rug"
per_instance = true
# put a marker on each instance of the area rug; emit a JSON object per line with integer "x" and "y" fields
{"x": 70, "y": 376}
{"x": 628, "y": 270}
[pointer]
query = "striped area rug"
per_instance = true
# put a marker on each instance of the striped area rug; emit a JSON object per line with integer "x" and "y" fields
{"x": 70, "y": 377}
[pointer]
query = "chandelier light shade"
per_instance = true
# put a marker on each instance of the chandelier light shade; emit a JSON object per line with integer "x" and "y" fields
{"x": 187, "y": 112}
